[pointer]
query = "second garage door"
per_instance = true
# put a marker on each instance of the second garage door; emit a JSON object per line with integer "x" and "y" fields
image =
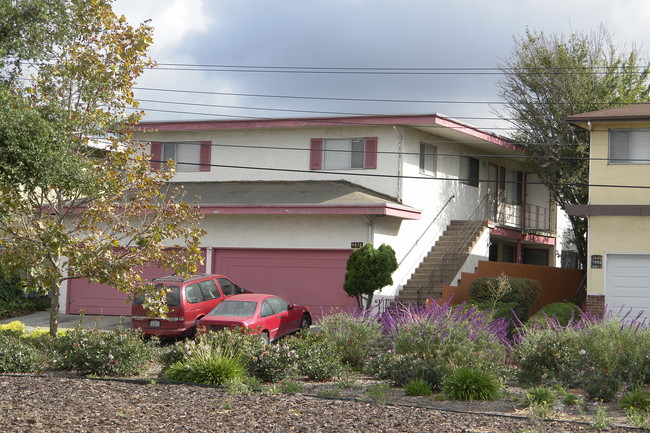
{"x": 305, "y": 277}
{"x": 627, "y": 290}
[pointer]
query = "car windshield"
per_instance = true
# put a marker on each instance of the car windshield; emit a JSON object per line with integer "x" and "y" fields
{"x": 234, "y": 309}
{"x": 173, "y": 295}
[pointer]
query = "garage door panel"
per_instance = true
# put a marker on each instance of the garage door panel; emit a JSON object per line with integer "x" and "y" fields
{"x": 307, "y": 277}
{"x": 102, "y": 299}
{"x": 627, "y": 288}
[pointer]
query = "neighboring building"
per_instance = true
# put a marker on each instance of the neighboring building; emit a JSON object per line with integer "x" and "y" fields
{"x": 618, "y": 274}
{"x": 285, "y": 201}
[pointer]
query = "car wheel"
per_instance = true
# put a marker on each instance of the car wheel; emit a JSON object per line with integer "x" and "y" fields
{"x": 266, "y": 339}
{"x": 305, "y": 323}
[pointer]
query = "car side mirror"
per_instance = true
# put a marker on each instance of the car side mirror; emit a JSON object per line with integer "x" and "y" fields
{"x": 241, "y": 290}
{"x": 290, "y": 307}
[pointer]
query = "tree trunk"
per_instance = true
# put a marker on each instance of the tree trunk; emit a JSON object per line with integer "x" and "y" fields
{"x": 369, "y": 301}
{"x": 54, "y": 311}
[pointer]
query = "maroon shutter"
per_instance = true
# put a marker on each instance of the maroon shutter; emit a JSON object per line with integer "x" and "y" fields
{"x": 205, "y": 157}
{"x": 370, "y": 157}
{"x": 155, "y": 155}
{"x": 316, "y": 154}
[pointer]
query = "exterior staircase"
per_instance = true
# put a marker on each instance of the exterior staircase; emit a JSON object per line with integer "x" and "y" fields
{"x": 442, "y": 263}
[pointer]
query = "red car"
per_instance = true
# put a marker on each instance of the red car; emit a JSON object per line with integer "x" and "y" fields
{"x": 188, "y": 299}
{"x": 270, "y": 316}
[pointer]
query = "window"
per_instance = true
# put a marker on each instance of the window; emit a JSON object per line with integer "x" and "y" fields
{"x": 228, "y": 287}
{"x": 469, "y": 171}
{"x": 343, "y": 153}
{"x": 428, "y": 159}
{"x": 278, "y": 305}
{"x": 189, "y": 156}
{"x": 629, "y": 146}
{"x": 209, "y": 290}
{"x": 266, "y": 309}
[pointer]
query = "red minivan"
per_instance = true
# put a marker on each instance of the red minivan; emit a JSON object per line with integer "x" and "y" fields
{"x": 188, "y": 299}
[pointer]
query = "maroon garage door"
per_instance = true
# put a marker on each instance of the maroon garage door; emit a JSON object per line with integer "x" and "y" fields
{"x": 92, "y": 298}
{"x": 305, "y": 277}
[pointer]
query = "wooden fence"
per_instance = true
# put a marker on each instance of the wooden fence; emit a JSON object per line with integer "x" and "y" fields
{"x": 558, "y": 284}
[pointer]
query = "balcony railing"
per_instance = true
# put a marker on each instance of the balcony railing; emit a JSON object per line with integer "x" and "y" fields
{"x": 509, "y": 214}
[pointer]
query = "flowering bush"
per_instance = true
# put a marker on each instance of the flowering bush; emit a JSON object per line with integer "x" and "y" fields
{"x": 597, "y": 356}
{"x": 353, "y": 335}
{"x": 274, "y": 363}
{"x": 121, "y": 352}
{"x": 317, "y": 358}
{"x": 450, "y": 336}
{"x": 18, "y": 356}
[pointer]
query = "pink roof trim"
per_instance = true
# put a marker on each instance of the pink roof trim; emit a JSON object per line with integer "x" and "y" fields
{"x": 405, "y": 119}
{"x": 386, "y": 210}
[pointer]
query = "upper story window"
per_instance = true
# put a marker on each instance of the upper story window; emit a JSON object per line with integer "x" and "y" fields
{"x": 343, "y": 154}
{"x": 189, "y": 156}
{"x": 469, "y": 170}
{"x": 428, "y": 159}
{"x": 629, "y": 146}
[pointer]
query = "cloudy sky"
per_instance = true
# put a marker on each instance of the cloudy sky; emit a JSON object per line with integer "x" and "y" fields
{"x": 303, "y": 58}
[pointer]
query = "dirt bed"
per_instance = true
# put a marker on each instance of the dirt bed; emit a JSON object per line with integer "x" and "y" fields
{"x": 52, "y": 403}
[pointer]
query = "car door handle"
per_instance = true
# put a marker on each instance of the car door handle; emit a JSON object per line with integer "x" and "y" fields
{"x": 280, "y": 317}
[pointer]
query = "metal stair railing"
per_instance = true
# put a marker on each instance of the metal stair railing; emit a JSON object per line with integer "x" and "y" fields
{"x": 454, "y": 252}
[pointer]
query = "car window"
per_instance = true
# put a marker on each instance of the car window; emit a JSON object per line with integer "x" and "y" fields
{"x": 234, "y": 309}
{"x": 193, "y": 293}
{"x": 209, "y": 290}
{"x": 278, "y": 305}
{"x": 266, "y": 309}
{"x": 228, "y": 287}
{"x": 173, "y": 295}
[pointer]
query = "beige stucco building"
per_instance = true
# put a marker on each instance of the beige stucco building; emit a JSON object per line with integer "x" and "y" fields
{"x": 618, "y": 274}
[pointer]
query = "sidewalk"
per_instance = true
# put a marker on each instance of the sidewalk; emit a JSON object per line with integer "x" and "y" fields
{"x": 41, "y": 319}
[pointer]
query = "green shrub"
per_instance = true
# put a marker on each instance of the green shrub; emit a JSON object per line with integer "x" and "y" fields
{"x": 121, "y": 352}
{"x": 598, "y": 357}
{"x": 563, "y": 312}
{"x": 635, "y": 399}
{"x": 541, "y": 396}
{"x": 12, "y": 298}
{"x": 18, "y": 356}
{"x": 401, "y": 369}
{"x": 417, "y": 387}
{"x": 317, "y": 358}
{"x": 353, "y": 336}
{"x": 207, "y": 367}
{"x": 522, "y": 291}
{"x": 274, "y": 363}
{"x": 468, "y": 384}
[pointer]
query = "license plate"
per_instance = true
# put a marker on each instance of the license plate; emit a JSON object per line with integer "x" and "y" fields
{"x": 154, "y": 323}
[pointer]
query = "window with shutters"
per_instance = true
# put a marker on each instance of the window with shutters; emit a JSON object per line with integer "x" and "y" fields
{"x": 343, "y": 153}
{"x": 189, "y": 156}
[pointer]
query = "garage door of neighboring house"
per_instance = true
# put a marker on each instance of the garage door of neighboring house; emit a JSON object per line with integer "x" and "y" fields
{"x": 101, "y": 299}
{"x": 303, "y": 277}
{"x": 627, "y": 290}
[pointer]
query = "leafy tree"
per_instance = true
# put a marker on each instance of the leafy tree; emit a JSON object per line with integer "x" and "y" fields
{"x": 369, "y": 269}
{"x": 77, "y": 196}
{"x": 549, "y": 77}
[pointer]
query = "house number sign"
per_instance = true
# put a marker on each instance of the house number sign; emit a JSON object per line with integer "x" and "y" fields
{"x": 596, "y": 262}
{"x": 356, "y": 244}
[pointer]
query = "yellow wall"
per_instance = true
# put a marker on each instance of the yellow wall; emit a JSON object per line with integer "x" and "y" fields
{"x": 602, "y": 173}
{"x": 614, "y": 235}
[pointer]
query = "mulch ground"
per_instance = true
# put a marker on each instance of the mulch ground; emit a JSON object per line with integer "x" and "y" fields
{"x": 57, "y": 403}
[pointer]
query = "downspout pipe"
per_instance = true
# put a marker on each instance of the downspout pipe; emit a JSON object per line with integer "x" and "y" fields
{"x": 399, "y": 163}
